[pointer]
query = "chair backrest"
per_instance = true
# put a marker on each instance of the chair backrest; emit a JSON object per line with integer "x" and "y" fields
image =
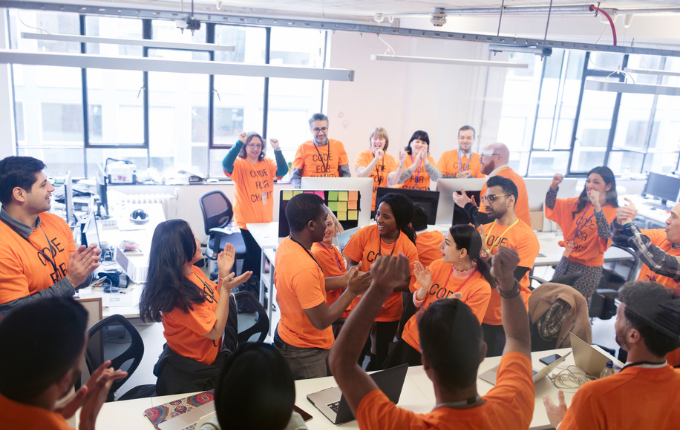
{"x": 252, "y": 317}
{"x": 217, "y": 210}
{"x": 114, "y": 338}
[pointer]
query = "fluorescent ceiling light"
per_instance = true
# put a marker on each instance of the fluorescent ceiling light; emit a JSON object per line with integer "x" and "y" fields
{"x": 523, "y": 49}
{"x": 85, "y": 61}
{"x": 134, "y": 42}
{"x": 450, "y": 61}
{"x": 620, "y": 87}
{"x": 651, "y": 71}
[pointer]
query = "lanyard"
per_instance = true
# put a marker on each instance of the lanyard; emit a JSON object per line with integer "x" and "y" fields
{"x": 307, "y": 251}
{"x": 333, "y": 254}
{"x": 464, "y": 282}
{"x": 207, "y": 289}
{"x": 493, "y": 245}
{"x": 52, "y": 263}
{"x": 468, "y": 162}
{"x": 380, "y": 243}
{"x": 418, "y": 172}
{"x": 377, "y": 171}
{"x": 327, "y": 164}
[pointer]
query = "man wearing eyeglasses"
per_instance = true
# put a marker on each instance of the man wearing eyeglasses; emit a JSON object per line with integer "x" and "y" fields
{"x": 320, "y": 157}
{"x": 495, "y": 159}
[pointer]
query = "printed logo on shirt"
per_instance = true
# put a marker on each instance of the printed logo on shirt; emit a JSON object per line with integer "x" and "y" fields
{"x": 582, "y": 237}
{"x": 439, "y": 292}
{"x": 491, "y": 239}
{"x": 57, "y": 248}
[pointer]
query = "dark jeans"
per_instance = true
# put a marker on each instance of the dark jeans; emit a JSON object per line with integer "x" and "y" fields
{"x": 494, "y": 336}
{"x": 384, "y": 334}
{"x": 305, "y": 363}
{"x": 253, "y": 259}
{"x": 403, "y": 353}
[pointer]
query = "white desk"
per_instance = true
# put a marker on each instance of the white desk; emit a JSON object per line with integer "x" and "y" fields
{"x": 550, "y": 252}
{"x": 417, "y": 395}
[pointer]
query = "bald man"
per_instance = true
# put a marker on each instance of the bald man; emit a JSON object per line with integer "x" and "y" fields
{"x": 495, "y": 159}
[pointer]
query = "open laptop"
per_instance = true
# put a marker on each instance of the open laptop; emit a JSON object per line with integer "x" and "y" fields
{"x": 590, "y": 358}
{"x": 490, "y": 375}
{"x": 333, "y": 405}
{"x": 192, "y": 420}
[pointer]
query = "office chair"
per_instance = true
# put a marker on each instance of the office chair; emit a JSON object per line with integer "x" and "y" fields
{"x": 217, "y": 214}
{"x": 603, "y": 303}
{"x": 247, "y": 304}
{"x": 114, "y": 338}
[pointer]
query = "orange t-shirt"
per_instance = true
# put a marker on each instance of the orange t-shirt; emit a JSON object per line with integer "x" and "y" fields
{"x": 251, "y": 182}
{"x": 185, "y": 331}
{"x": 364, "y": 246}
{"x": 427, "y": 244}
{"x": 589, "y": 247}
{"x": 509, "y": 405}
{"x": 476, "y": 294}
{"x": 635, "y": 398}
{"x": 380, "y": 171}
{"x": 658, "y": 238}
{"x": 449, "y": 165}
{"x": 522, "y": 238}
{"x": 333, "y": 264}
{"x": 300, "y": 285}
{"x": 20, "y": 416}
{"x": 23, "y": 269}
{"x": 522, "y": 204}
{"x": 420, "y": 179}
{"x": 320, "y": 160}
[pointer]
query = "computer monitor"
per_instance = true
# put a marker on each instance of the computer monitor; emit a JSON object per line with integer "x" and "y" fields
{"x": 91, "y": 231}
{"x": 101, "y": 190}
{"x": 363, "y": 185}
{"x": 345, "y": 204}
{"x": 429, "y": 200}
{"x": 446, "y": 187}
{"x": 68, "y": 199}
{"x": 663, "y": 187}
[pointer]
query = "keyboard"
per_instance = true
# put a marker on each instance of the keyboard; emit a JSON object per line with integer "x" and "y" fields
{"x": 335, "y": 406}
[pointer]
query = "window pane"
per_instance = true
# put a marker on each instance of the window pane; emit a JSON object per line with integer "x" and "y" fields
{"x": 98, "y": 156}
{"x": 117, "y": 28}
{"x": 32, "y": 21}
{"x": 94, "y": 124}
{"x": 625, "y": 162}
{"x": 19, "y": 120}
{"x": 62, "y": 122}
{"x": 633, "y": 121}
{"x": 547, "y": 163}
{"x": 167, "y": 31}
{"x": 58, "y": 160}
{"x": 661, "y": 163}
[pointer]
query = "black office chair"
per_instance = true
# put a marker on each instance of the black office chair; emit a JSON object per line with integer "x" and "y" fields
{"x": 217, "y": 214}
{"x": 247, "y": 305}
{"x": 614, "y": 275}
{"x": 114, "y": 338}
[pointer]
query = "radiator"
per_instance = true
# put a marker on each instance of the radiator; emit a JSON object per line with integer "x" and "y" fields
{"x": 168, "y": 201}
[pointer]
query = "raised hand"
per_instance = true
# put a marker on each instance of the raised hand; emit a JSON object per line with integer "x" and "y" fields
{"x": 557, "y": 180}
{"x": 358, "y": 282}
{"x": 457, "y": 295}
{"x": 225, "y": 260}
{"x": 555, "y": 412}
{"x": 465, "y": 174}
{"x": 402, "y": 157}
{"x": 422, "y": 274}
{"x": 379, "y": 154}
{"x": 230, "y": 282}
{"x": 482, "y": 234}
{"x": 274, "y": 144}
{"x": 626, "y": 214}
{"x": 97, "y": 389}
{"x": 390, "y": 272}
{"x": 81, "y": 263}
{"x": 503, "y": 267}
{"x": 594, "y": 197}
{"x": 242, "y": 137}
{"x": 461, "y": 199}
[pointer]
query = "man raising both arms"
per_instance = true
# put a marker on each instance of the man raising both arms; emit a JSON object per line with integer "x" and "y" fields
{"x": 321, "y": 156}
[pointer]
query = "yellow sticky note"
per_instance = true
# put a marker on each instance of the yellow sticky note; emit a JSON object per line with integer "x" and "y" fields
{"x": 352, "y": 215}
{"x": 343, "y": 196}
{"x": 295, "y": 193}
{"x": 342, "y": 215}
{"x": 352, "y": 204}
{"x": 342, "y": 206}
{"x": 287, "y": 195}
{"x": 354, "y": 195}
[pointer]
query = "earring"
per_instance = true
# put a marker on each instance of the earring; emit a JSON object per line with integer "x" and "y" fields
{"x": 460, "y": 260}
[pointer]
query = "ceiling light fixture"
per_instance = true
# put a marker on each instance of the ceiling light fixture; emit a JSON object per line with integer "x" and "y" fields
{"x": 543, "y": 51}
{"x": 651, "y": 71}
{"x": 449, "y": 61}
{"x": 621, "y": 87}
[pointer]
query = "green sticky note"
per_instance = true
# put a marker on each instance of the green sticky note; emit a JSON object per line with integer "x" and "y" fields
{"x": 342, "y": 206}
{"x": 343, "y": 196}
{"x": 333, "y": 206}
{"x": 332, "y": 196}
{"x": 352, "y": 215}
{"x": 287, "y": 195}
{"x": 342, "y": 215}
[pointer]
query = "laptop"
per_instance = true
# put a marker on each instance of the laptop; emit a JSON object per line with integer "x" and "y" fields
{"x": 333, "y": 405}
{"x": 490, "y": 375}
{"x": 191, "y": 420}
{"x": 590, "y": 358}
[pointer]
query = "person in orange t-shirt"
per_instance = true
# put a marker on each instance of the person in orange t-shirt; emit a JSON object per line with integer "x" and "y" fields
{"x": 44, "y": 344}
{"x": 199, "y": 318}
{"x": 461, "y": 163}
{"x": 320, "y": 157}
{"x": 452, "y": 349}
{"x": 507, "y": 230}
{"x": 645, "y": 394}
{"x": 427, "y": 242}
{"x": 253, "y": 175}
{"x": 418, "y": 167}
{"x": 376, "y": 163}
{"x": 39, "y": 258}
{"x": 584, "y": 222}
{"x": 495, "y": 159}
{"x": 460, "y": 274}
{"x": 391, "y": 235}
{"x": 304, "y": 335}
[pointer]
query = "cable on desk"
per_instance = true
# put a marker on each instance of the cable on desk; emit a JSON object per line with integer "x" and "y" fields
{"x": 570, "y": 378}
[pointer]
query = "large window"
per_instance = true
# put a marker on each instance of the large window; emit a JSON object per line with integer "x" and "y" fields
{"x": 75, "y": 119}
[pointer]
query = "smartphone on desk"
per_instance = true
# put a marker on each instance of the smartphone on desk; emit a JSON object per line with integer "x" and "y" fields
{"x": 305, "y": 416}
{"x": 549, "y": 359}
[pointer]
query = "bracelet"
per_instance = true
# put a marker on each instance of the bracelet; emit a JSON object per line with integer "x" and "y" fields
{"x": 509, "y": 294}
{"x": 627, "y": 225}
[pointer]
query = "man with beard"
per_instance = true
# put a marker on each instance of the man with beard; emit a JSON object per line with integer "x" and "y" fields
{"x": 645, "y": 394}
{"x": 495, "y": 159}
{"x": 461, "y": 162}
{"x": 43, "y": 350}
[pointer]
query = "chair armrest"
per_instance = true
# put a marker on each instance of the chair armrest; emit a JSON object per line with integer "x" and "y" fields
{"x": 220, "y": 230}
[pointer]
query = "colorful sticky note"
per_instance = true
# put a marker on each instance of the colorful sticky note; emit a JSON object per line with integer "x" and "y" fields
{"x": 333, "y": 206}
{"x": 352, "y": 204}
{"x": 342, "y": 206}
{"x": 295, "y": 193}
{"x": 343, "y": 196}
{"x": 352, "y": 215}
{"x": 342, "y": 215}
{"x": 332, "y": 196}
{"x": 354, "y": 195}
{"x": 287, "y": 195}
{"x": 320, "y": 194}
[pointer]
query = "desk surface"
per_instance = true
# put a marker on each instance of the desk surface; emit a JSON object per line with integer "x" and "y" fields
{"x": 417, "y": 395}
{"x": 550, "y": 252}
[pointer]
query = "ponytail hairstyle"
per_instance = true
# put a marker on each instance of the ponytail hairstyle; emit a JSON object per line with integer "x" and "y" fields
{"x": 468, "y": 238}
{"x": 609, "y": 179}
{"x": 403, "y": 210}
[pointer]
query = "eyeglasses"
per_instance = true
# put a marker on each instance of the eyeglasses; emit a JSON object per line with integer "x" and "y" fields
{"x": 489, "y": 155}
{"x": 317, "y": 130}
{"x": 251, "y": 146}
{"x": 492, "y": 198}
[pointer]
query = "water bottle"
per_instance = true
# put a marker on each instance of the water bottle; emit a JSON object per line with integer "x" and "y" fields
{"x": 609, "y": 370}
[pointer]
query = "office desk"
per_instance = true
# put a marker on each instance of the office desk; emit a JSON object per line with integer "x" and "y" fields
{"x": 417, "y": 395}
{"x": 550, "y": 252}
